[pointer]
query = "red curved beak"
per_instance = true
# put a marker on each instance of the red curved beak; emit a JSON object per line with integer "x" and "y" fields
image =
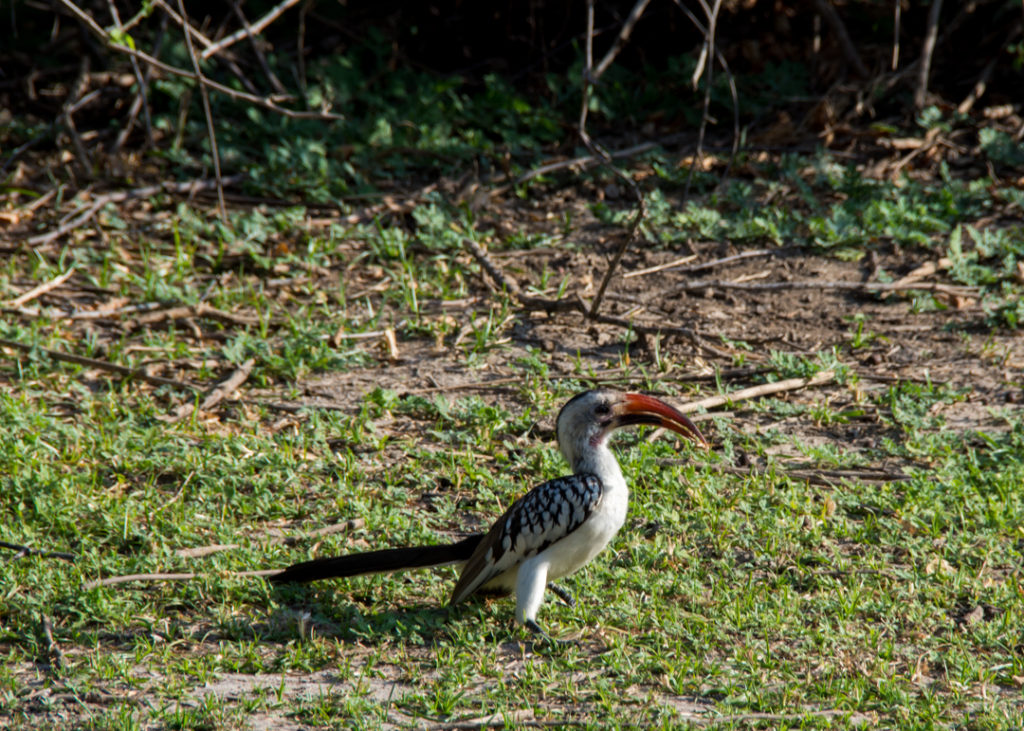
{"x": 639, "y": 409}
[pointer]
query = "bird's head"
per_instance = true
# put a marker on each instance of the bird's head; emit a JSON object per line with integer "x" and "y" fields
{"x": 585, "y": 422}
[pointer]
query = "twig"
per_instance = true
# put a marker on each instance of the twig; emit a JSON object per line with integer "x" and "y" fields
{"x": 709, "y": 51}
{"x": 734, "y": 149}
{"x": 267, "y": 71}
{"x": 53, "y": 650}
{"x": 726, "y": 260}
{"x": 189, "y": 311}
{"x": 140, "y": 100}
{"x": 218, "y": 393}
{"x": 587, "y": 160}
{"x": 204, "y": 94}
{"x": 624, "y": 33}
{"x": 123, "y": 195}
{"x": 896, "y": 22}
{"x": 927, "y": 50}
{"x": 29, "y": 551}
{"x": 764, "y": 389}
{"x": 256, "y": 27}
{"x": 201, "y": 551}
{"x": 815, "y": 477}
{"x": 577, "y": 305}
{"x": 641, "y": 212}
{"x": 661, "y": 267}
{"x": 854, "y": 286}
{"x": 67, "y": 111}
{"x": 41, "y": 289}
{"x": 834, "y": 20}
{"x": 265, "y": 102}
{"x": 133, "y": 373}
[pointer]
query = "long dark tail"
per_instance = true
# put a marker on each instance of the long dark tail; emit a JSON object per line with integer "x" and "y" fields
{"x": 376, "y": 562}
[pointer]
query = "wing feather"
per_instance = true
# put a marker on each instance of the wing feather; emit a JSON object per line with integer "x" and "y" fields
{"x": 545, "y": 515}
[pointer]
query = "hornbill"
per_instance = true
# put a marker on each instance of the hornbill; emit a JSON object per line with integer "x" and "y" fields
{"x": 551, "y": 531}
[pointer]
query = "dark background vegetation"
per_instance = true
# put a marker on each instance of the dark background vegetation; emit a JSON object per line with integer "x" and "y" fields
{"x": 373, "y": 62}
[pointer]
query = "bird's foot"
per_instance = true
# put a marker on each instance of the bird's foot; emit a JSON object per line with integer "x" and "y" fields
{"x": 536, "y": 629}
{"x": 562, "y": 594}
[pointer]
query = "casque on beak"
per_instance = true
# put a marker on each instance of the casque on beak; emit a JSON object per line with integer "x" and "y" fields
{"x": 635, "y": 408}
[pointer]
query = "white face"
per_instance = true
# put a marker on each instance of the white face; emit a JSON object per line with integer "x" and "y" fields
{"x": 584, "y": 422}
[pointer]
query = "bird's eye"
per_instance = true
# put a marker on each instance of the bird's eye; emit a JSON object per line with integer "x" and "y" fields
{"x": 602, "y": 409}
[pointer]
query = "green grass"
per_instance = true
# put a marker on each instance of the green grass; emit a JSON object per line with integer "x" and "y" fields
{"x": 754, "y": 598}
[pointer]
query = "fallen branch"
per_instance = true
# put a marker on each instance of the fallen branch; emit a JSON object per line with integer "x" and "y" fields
{"x": 217, "y": 394}
{"x": 814, "y": 477}
{"x": 764, "y": 389}
{"x": 190, "y": 187}
{"x": 53, "y": 650}
{"x": 852, "y": 286}
{"x": 188, "y": 311}
{"x": 103, "y": 365}
{"x": 41, "y": 289}
{"x": 578, "y": 305}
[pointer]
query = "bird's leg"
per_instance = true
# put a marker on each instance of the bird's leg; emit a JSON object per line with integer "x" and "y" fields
{"x": 536, "y": 629}
{"x": 562, "y": 594}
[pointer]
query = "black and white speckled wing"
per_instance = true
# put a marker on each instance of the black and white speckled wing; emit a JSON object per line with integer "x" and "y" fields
{"x": 541, "y": 517}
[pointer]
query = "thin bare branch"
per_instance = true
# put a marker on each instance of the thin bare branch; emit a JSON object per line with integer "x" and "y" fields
{"x": 265, "y": 102}
{"x": 624, "y": 33}
{"x": 256, "y": 27}
{"x": 927, "y": 50}
{"x": 835, "y": 21}
{"x": 41, "y": 289}
{"x": 204, "y": 94}
{"x": 949, "y": 289}
{"x": 103, "y": 365}
{"x": 764, "y": 389}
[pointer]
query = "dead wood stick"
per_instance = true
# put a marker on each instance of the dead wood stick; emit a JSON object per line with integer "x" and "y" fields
{"x": 835, "y": 21}
{"x": 815, "y": 477}
{"x": 265, "y": 102}
{"x": 225, "y": 389}
{"x": 624, "y": 33}
{"x": 41, "y": 289}
{"x": 764, "y": 389}
{"x": 53, "y": 650}
{"x": 577, "y": 305}
{"x": 854, "y": 286}
{"x": 200, "y": 551}
{"x": 113, "y": 580}
{"x": 29, "y": 551}
{"x": 509, "y": 285}
{"x": 187, "y": 311}
{"x": 204, "y": 94}
{"x": 589, "y": 79}
{"x": 679, "y": 264}
{"x": 927, "y": 51}
{"x": 217, "y": 394}
{"x": 248, "y": 30}
{"x": 102, "y": 365}
{"x": 120, "y": 196}
{"x": 661, "y": 267}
